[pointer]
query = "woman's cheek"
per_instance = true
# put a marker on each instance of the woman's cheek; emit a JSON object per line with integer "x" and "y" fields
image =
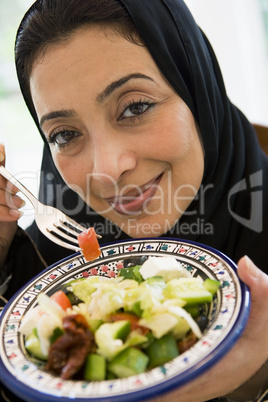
{"x": 70, "y": 171}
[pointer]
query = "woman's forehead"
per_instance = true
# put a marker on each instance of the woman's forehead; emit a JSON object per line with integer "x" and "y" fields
{"x": 92, "y": 54}
{"x": 93, "y": 65}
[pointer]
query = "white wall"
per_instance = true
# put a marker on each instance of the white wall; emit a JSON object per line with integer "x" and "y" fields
{"x": 235, "y": 29}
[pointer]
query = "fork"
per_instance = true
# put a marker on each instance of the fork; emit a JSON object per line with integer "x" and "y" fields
{"x": 53, "y": 223}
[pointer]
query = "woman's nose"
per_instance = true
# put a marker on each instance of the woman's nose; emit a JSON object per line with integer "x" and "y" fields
{"x": 112, "y": 158}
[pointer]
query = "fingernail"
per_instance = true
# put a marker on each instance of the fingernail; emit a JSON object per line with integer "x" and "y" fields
{"x": 252, "y": 269}
{"x": 18, "y": 202}
{"x": 15, "y": 213}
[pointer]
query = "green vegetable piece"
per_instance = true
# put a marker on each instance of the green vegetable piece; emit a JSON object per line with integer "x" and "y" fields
{"x": 136, "y": 338}
{"x": 129, "y": 362}
{"x": 135, "y": 309}
{"x": 121, "y": 329}
{"x": 137, "y": 274}
{"x": 35, "y": 332}
{"x": 127, "y": 273}
{"x": 192, "y": 309}
{"x": 191, "y": 290}
{"x": 156, "y": 281}
{"x": 94, "y": 324}
{"x": 159, "y": 323}
{"x": 83, "y": 288}
{"x": 109, "y": 338}
{"x": 73, "y": 299}
{"x": 162, "y": 351}
{"x": 132, "y": 273}
{"x": 156, "y": 285}
{"x": 56, "y": 334}
{"x": 212, "y": 285}
{"x": 32, "y": 345}
{"x": 150, "y": 340}
{"x": 95, "y": 368}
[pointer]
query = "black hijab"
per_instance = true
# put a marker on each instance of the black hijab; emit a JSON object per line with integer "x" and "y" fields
{"x": 230, "y": 210}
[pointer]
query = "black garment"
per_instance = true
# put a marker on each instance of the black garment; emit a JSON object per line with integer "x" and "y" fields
{"x": 24, "y": 262}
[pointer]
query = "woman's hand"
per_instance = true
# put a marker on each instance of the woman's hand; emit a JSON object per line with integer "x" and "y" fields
{"x": 9, "y": 214}
{"x": 238, "y": 373}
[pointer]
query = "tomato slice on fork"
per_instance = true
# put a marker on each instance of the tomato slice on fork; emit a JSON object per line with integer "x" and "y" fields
{"x": 89, "y": 244}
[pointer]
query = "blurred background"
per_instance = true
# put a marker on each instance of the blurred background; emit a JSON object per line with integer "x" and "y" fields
{"x": 237, "y": 30}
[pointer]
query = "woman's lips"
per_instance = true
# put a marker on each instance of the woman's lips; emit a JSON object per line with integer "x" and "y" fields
{"x": 135, "y": 200}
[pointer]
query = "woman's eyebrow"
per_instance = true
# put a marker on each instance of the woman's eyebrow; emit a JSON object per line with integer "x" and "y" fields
{"x": 100, "y": 97}
{"x": 56, "y": 114}
{"x": 118, "y": 83}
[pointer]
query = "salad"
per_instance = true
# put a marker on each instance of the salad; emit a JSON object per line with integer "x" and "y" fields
{"x": 99, "y": 328}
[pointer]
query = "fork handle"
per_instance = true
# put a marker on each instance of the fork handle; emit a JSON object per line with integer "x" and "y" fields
{"x": 34, "y": 201}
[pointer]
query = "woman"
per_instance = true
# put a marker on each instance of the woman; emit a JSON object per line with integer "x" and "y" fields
{"x": 130, "y": 101}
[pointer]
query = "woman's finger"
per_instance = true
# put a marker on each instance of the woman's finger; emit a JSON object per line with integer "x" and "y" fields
{"x": 5, "y": 184}
{"x": 257, "y": 281}
{"x": 10, "y": 200}
{"x": 9, "y": 215}
{"x": 252, "y": 276}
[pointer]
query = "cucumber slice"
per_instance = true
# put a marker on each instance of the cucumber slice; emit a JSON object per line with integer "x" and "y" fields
{"x": 212, "y": 285}
{"x": 95, "y": 368}
{"x": 32, "y": 345}
{"x": 110, "y": 338}
{"x": 94, "y": 324}
{"x": 162, "y": 351}
{"x": 129, "y": 362}
{"x": 191, "y": 290}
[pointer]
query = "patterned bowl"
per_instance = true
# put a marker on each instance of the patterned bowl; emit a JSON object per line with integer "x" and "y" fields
{"x": 227, "y": 318}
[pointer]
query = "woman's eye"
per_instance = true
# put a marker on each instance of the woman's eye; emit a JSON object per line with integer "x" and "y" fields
{"x": 135, "y": 109}
{"x": 63, "y": 138}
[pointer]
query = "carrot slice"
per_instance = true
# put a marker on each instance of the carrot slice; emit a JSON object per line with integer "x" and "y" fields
{"x": 89, "y": 244}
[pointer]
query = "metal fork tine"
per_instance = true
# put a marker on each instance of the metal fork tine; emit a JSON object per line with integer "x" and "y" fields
{"x": 60, "y": 233}
{"x": 65, "y": 226}
{"x": 52, "y": 236}
{"x": 70, "y": 222}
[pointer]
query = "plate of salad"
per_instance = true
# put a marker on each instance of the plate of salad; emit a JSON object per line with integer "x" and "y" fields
{"x": 144, "y": 317}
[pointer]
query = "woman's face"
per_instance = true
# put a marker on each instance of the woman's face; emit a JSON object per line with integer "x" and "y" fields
{"x": 119, "y": 134}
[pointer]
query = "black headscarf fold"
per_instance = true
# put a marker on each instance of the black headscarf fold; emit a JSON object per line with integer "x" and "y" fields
{"x": 230, "y": 210}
